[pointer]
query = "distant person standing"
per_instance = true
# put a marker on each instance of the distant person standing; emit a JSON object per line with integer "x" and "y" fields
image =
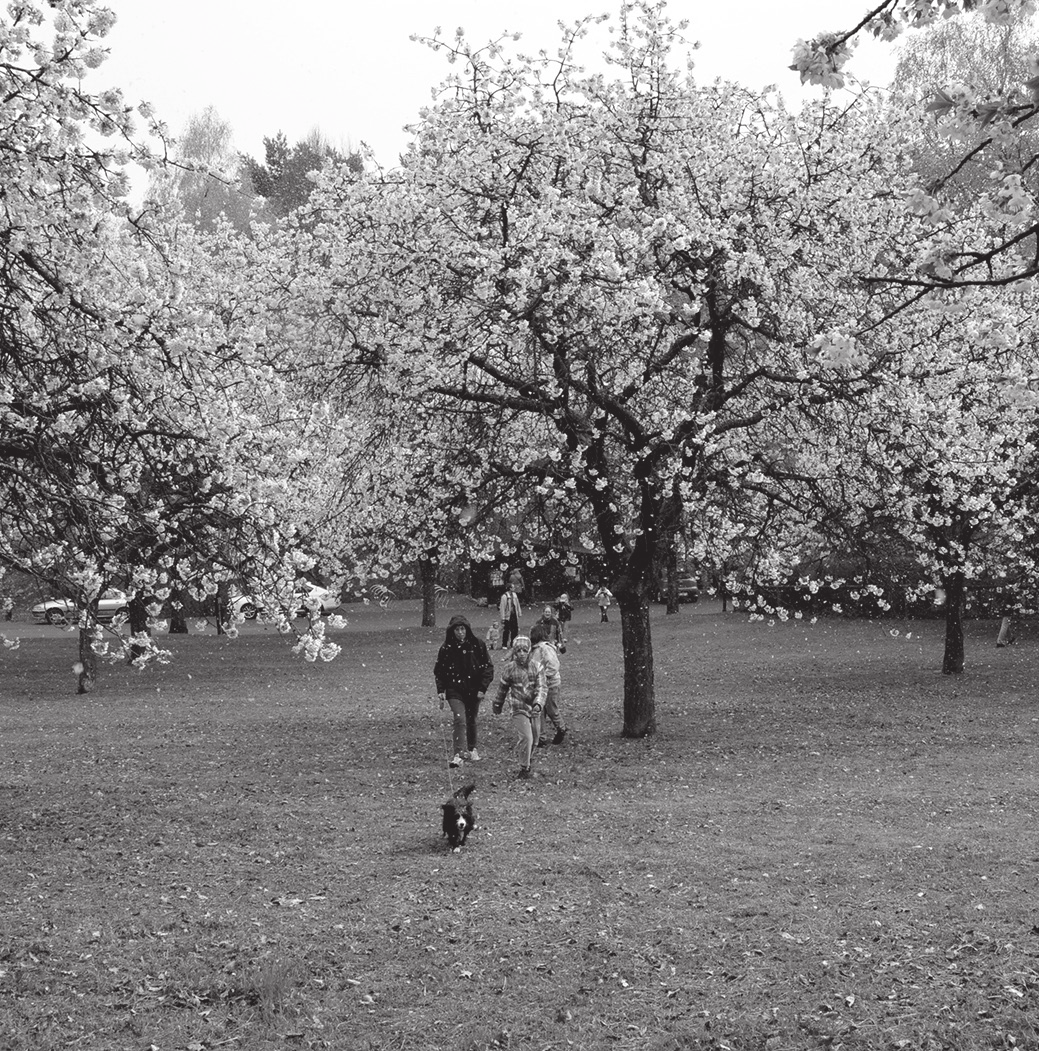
{"x": 604, "y": 596}
{"x": 516, "y": 577}
{"x": 509, "y": 612}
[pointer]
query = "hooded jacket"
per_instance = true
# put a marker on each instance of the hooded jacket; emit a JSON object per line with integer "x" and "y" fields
{"x": 524, "y": 684}
{"x": 463, "y": 666}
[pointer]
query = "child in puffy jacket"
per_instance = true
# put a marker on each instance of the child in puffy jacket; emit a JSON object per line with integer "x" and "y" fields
{"x": 523, "y": 684}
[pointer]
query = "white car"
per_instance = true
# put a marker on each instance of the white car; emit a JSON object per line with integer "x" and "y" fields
{"x": 61, "y": 610}
{"x": 249, "y": 606}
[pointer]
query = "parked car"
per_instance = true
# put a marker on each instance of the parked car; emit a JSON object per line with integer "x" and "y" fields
{"x": 688, "y": 589}
{"x": 249, "y": 606}
{"x": 59, "y": 610}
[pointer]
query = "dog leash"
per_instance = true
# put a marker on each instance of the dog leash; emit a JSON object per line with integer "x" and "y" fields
{"x": 448, "y": 745}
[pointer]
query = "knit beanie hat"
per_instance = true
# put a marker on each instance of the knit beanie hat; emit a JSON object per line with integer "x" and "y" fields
{"x": 522, "y": 641}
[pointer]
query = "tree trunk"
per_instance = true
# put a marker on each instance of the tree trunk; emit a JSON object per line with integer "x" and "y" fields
{"x": 428, "y": 567}
{"x": 86, "y": 670}
{"x": 639, "y": 704}
{"x": 723, "y": 589}
{"x": 178, "y": 622}
{"x": 1007, "y": 631}
{"x": 671, "y": 564}
{"x": 223, "y": 606}
{"x": 138, "y": 618}
{"x": 952, "y": 663}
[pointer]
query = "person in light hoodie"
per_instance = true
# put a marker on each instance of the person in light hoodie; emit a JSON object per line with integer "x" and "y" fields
{"x": 509, "y": 611}
{"x": 544, "y": 654}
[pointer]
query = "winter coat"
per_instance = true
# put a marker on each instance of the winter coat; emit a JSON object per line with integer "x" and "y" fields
{"x": 552, "y": 628}
{"x": 505, "y": 605}
{"x": 524, "y": 685}
{"x": 464, "y": 666}
{"x": 544, "y": 656}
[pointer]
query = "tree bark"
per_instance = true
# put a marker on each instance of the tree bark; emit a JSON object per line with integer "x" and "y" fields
{"x": 952, "y": 662}
{"x": 223, "y": 606}
{"x": 138, "y": 619}
{"x": 671, "y": 585}
{"x": 636, "y": 640}
{"x": 178, "y": 622}
{"x": 428, "y": 566}
{"x": 86, "y": 679}
{"x": 1007, "y": 631}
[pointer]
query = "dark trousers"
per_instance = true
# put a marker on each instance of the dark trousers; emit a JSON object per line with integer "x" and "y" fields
{"x": 463, "y": 710}
{"x": 509, "y": 630}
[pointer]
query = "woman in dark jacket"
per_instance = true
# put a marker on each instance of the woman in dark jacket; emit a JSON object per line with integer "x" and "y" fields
{"x": 463, "y": 672}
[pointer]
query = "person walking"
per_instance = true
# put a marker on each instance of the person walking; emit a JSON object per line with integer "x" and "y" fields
{"x": 604, "y": 596}
{"x": 564, "y": 612}
{"x": 543, "y": 653}
{"x": 510, "y": 612}
{"x": 523, "y": 684}
{"x": 462, "y": 672}
{"x": 553, "y": 630}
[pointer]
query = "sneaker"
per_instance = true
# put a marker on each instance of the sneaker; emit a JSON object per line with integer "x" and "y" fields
{"x": 456, "y": 761}
{"x": 542, "y": 742}
{"x": 524, "y": 774}
{"x": 473, "y": 755}
{"x": 560, "y": 737}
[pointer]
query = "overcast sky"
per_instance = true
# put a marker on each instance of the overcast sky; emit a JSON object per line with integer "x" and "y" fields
{"x": 349, "y": 67}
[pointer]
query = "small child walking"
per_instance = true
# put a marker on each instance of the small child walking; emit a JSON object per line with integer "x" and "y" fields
{"x": 523, "y": 683}
{"x": 564, "y": 612}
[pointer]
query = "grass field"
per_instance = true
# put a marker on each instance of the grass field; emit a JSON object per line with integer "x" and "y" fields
{"x": 828, "y": 845}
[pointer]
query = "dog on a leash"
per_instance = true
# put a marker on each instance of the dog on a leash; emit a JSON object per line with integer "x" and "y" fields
{"x": 493, "y": 636}
{"x": 459, "y": 817}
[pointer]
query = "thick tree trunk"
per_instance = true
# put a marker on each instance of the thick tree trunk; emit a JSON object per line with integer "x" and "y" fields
{"x": 86, "y": 670}
{"x": 138, "y": 618}
{"x": 427, "y": 568}
{"x": 639, "y": 703}
{"x": 952, "y": 662}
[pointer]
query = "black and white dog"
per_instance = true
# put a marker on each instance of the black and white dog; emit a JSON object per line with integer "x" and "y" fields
{"x": 459, "y": 818}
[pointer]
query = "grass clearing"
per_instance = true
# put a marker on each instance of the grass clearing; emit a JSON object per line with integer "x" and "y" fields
{"x": 829, "y": 844}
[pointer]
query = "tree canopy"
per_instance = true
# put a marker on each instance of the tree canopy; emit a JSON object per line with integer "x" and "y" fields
{"x": 637, "y": 286}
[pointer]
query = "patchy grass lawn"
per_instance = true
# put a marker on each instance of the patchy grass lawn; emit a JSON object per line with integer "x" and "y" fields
{"x": 829, "y": 844}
